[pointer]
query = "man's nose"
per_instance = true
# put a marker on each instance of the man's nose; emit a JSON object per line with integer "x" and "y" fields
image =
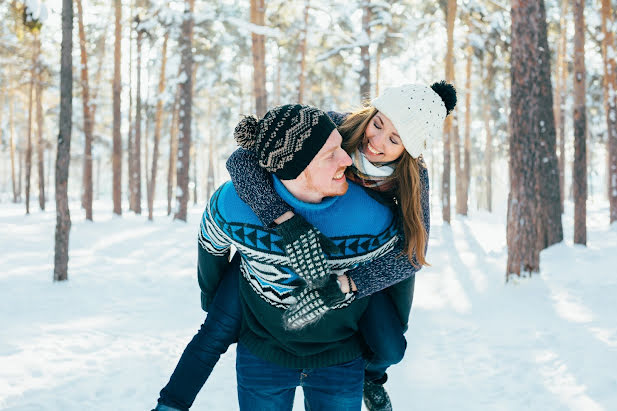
{"x": 346, "y": 160}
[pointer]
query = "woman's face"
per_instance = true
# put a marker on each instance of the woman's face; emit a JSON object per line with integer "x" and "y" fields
{"x": 381, "y": 142}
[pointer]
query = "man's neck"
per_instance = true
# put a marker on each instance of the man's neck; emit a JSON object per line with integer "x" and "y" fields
{"x": 298, "y": 188}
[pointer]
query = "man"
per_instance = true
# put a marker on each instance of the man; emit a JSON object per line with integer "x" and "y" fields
{"x": 277, "y": 350}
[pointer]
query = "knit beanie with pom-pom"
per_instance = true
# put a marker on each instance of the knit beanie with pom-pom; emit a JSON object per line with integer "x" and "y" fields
{"x": 417, "y": 112}
{"x": 286, "y": 139}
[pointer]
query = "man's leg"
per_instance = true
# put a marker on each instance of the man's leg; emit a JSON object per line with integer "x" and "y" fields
{"x": 383, "y": 332}
{"x": 336, "y": 388}
{"x": 262, "y": 385}
{"x": 218, "y": 332}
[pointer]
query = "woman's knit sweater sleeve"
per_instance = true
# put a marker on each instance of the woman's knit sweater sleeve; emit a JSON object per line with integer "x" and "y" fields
{"x": 392, "y": 267}
{"x": 254, "y": 186}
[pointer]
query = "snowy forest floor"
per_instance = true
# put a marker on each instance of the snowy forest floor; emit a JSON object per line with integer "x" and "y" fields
{"x": 109, "y": 338}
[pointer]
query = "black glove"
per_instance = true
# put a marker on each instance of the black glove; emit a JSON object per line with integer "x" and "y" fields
{"x": 312, "y": 304}
{"x": 305, "y": 247}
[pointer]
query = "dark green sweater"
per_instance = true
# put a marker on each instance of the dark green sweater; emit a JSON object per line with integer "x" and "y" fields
{"x": 362, "y": 228}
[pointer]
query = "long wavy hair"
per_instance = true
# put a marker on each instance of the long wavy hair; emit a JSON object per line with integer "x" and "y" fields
{"x": 408, "y": 190}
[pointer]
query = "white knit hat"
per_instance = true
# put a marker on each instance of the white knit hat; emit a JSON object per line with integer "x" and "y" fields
{"x": 416, "y": 111}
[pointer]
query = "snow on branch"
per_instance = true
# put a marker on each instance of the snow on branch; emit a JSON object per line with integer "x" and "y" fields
{"x": 244, "y": 25}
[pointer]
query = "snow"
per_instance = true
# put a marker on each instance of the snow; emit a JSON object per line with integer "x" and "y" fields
{"x": 110, "y": 337}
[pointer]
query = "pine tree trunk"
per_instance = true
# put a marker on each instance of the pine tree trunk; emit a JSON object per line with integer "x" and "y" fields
{"x": 258, "y": 11}
{"x": 87, "y": 114}
{"x": 534, "y": 217}
{"x": 63, "y": 217}
{"x": 448, "y": 125}
{"x": 137, "y": 140}
{"x": 157, "y": 128}
{"x": 131, "y": 161}
{"x": 488, "y": 148}
{"x": 579, "y": 167}
{"x": 186, "y": 106}
{"x": 29, "y": 142}
{"x": 39, "y": 129}
{"x": 610, "y": 92}
{"x": 303, "y": 39}
{"x": 116, "y": 160}
{"x": 12, "y": 143}
{"x": 378, "y": 67}
{"x": 559, "y": 108}
{"x": 365, "y": 57}
{"x": 173, "y": 148}
{"x": 277, "y": 93}
{"x": 467, "y": 145}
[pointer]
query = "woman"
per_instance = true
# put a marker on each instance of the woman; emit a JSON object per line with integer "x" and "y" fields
{"x": 385, "y": 142}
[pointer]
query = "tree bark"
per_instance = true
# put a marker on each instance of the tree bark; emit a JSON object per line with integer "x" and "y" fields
{"x": 447, "y": 131}
{"x": 534, "y": 217}
{"x": 303, "y": 40}
{"x": 610, "y": 93}
{"x": 39, "y": 127}
{"x": 173, "y": 148}
{"x": 488, "y": 147}
{"x": 365, "y": 57}
{"x": 157, "y": 128}
{"x": 131, "y": 166}
{"x": 29, "y": 142}
{"x": 579, "y": 167}
{"x": 12, "y": 142}
{"x": 258, "y": 11}
{"x": 87, "y": 114}
{"x": 137, "y": 140}
{"x": 467, "y": 144}
{"x": 116, "y": 159}
{"x": 63, "y": 217}
{"x": 559, "y": 108}
{"x": 186, "y": 105}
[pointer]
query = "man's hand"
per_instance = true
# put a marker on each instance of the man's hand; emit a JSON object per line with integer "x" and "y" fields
{"x": 305, "y": 247}
{"x": 312, "y": 304}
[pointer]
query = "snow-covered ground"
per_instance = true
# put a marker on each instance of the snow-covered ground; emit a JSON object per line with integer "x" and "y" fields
{"x": 109, "y": 338}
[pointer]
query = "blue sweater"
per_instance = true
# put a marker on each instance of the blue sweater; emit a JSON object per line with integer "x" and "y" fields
{"x": 269, "y": 281}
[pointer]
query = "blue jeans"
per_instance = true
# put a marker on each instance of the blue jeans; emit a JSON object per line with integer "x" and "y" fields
{"x": 384, "y": 334}
{"x": 264, "y": 386}
{"x": 220, "y": 329}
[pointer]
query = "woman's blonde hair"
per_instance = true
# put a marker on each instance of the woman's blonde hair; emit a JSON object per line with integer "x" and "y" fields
{"x": 407, "y": 182}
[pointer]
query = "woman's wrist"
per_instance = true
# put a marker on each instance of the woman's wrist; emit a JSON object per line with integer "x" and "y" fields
{"x": 286, "y": 216}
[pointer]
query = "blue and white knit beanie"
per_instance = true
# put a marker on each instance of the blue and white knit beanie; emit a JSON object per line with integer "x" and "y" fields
{"x": 417, "y": 112}
{"x": 286, "y": 139}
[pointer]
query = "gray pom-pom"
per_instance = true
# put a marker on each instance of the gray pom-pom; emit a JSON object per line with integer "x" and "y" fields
{"x": 245, "y": 133}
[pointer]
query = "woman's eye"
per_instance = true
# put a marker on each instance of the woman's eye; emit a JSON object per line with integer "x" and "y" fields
{"x": 393, "y": 141}
{"x": 376, "y": 125}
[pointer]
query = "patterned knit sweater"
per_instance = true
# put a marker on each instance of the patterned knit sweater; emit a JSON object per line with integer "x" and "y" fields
{"x": 254, "y": 186}
{"x": 266, "y": 290}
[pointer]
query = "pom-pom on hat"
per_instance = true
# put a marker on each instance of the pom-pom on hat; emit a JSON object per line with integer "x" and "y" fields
{"x": 286, "y": 139}
{"x": 417, "y": 112}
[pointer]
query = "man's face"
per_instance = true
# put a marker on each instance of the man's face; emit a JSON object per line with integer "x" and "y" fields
{"x": 325, "y": 174}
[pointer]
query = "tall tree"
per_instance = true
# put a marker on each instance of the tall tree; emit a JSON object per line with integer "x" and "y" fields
{"x": 610, "y": 98}
{"x": 173, "y": 147}
{"x": 157, "y": 127}
{"x": 579, "y": 167}
{"x": 448, "y": 126}
{"x": 87, "y": 116}
{"x": 63, "y": 216}
{"x": 466, "y": 177}
{"x": 365, "y": 57}
{"x": 117, "y": 115}
{"x": 489, "y": 83}
{"x": 533, "y": 163}
{"x": 258, "y": 12}
{"x": 29, "y": 141}
{"x": 561, "y": 74}
{"x": 12, "y": 142}
{"x": 39, "y": 125}
{"x": 136, "y": 146}
{"x": 186, "y": 106}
